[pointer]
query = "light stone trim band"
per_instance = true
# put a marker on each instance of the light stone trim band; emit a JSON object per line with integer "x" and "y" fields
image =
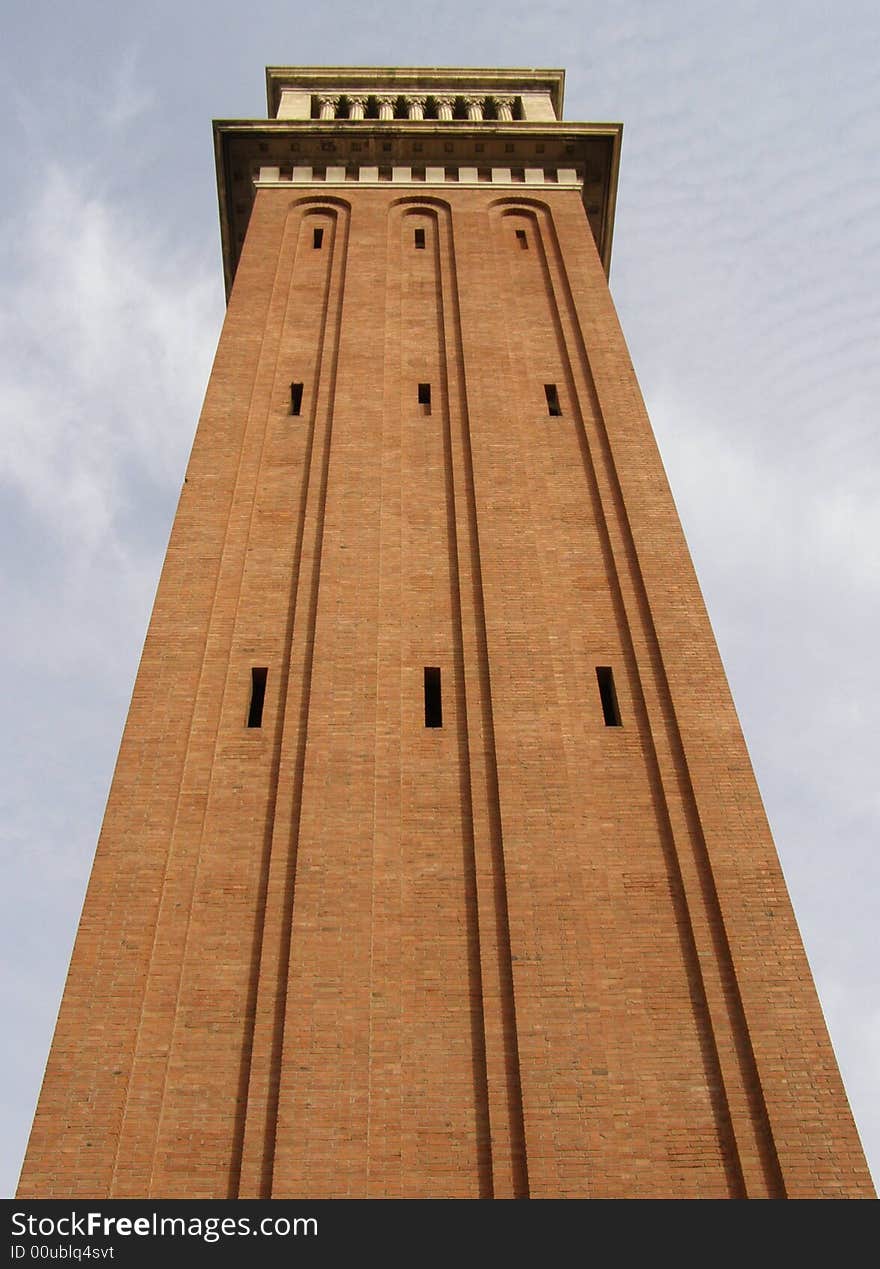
{"x": 402, "y": 175}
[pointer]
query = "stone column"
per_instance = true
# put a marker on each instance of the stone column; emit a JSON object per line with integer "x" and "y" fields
{"x": 416, "y": 107}
{"x": 445, "y": 106}
{"x": 356, "y": 107}
{"x": 474, "y": 108}
{"x": 504, "y": 106}
{"x": 386, "y": 107}
{"x": 328, "y": 107}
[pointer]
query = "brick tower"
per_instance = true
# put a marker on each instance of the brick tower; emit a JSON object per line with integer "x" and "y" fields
{"x": 433, "y": 864}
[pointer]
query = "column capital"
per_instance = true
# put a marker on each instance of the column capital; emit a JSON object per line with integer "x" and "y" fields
{"x": 357, "y": 105}
{"x": 445, "y": 105}
{"x": 504, "y": 106}
{"x": 387, "y": 103}
{"x": 415, "y": 106}
{"x": 328, "y": 106}
{"x": 474, "y": 107}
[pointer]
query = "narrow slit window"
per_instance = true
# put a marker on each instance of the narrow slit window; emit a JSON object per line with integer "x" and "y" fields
{"x": 433, "y": 697}
{"x": 258, "y": 696}
{"x": 522, "y": 239}
{"x": 554, "y": 409}
{"x": 296, "y": 398}
{"x": 420, "y": 239}
{"x": 425, "y": 397}
{"x": 608, "y": 695}
{"x": 318, "y": 239}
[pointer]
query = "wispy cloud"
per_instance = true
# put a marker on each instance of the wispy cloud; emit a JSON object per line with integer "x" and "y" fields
{"x": 106, "y": 338}
{"x": 128, "y": 95}
{"x": 106, "y": 341}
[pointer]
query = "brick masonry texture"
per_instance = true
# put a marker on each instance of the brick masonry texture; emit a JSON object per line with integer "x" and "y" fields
{"x": 524, "y": 954}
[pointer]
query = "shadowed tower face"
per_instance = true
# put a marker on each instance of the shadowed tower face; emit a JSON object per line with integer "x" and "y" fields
{"x": 433, "y": 863}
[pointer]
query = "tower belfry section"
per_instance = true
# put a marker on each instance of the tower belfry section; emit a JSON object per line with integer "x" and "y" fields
{"x": 433, "y": 863}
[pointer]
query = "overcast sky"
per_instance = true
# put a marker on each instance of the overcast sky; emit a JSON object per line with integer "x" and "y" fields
{"x": 745, "y": 271}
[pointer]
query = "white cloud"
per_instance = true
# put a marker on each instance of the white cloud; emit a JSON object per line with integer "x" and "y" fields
{"x": 106, "y": 339}
{"x": 106, "y": 343}
{"x": 128, "y": 97}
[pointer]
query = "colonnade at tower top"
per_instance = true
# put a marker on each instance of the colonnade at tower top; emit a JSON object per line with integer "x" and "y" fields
{"x": 444, "y": 107}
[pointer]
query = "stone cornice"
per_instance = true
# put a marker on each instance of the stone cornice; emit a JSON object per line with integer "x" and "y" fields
{"x": 245, "y": 146}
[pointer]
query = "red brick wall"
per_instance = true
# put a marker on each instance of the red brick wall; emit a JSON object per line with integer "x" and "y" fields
{"x": 346, "y": 954}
